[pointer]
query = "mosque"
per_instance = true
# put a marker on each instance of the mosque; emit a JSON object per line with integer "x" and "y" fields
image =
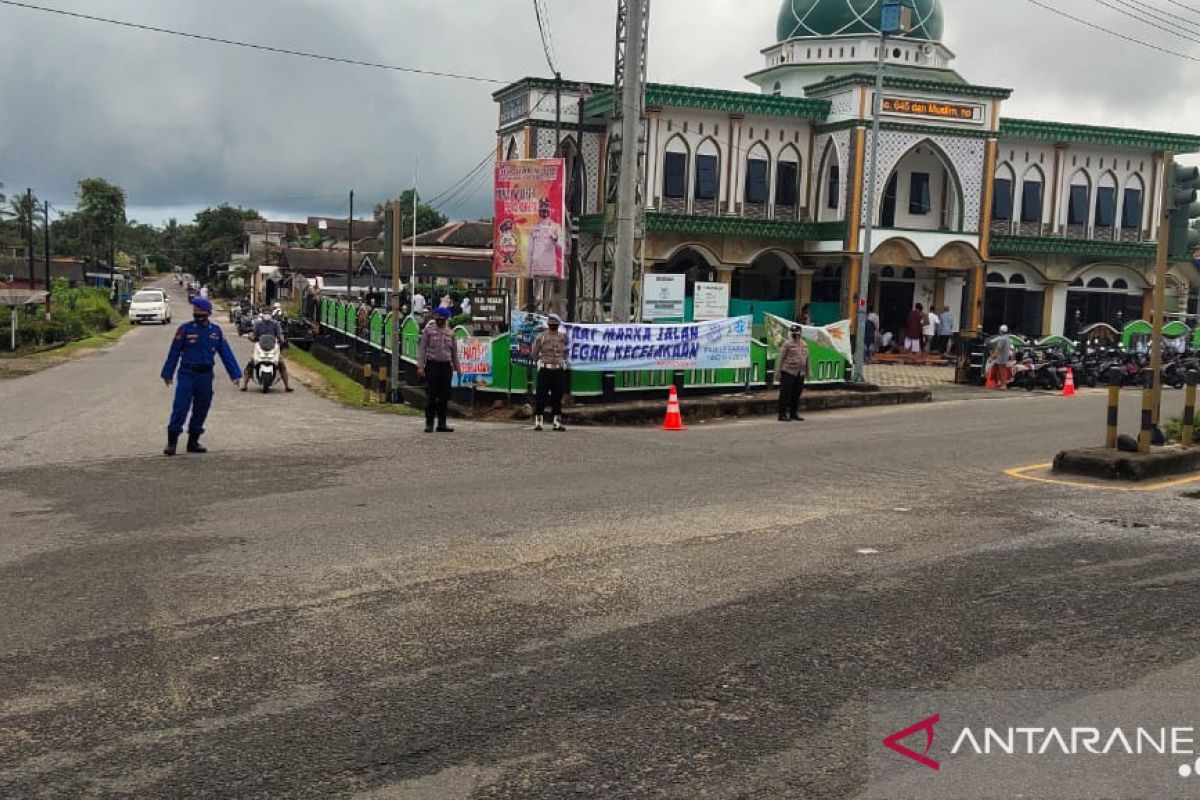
{"x": 1043, "y": 226}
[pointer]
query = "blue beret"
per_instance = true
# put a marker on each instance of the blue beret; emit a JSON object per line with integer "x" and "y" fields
{"x": 202, "y": 304}
{"x": 442, "y": 312}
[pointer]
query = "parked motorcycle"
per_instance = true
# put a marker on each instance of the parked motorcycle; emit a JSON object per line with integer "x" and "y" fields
{"x": 266, "y": 361}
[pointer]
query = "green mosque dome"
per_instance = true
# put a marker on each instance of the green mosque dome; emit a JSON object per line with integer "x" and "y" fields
{"x": 821, "y": 18}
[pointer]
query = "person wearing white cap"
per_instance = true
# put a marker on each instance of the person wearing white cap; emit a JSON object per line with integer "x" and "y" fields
{"x": 550, "y": 354}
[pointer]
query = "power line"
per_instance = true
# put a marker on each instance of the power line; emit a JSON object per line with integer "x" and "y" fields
{"x": 251, "y": 45}
{"x": 1184, "y": 6}
{"x": 1168, "y": 17}
{"x": 543, "y": 23}
{"x": 1145, "y": 21}
{"x": 1110, "y": 32}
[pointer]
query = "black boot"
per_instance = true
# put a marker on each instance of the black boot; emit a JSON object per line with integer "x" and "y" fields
{"x": 172, "y": 444}
{"x": 429, "y": 423}
{"x": 193, "y": 445}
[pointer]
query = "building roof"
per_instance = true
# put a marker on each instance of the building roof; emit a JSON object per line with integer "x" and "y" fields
{"x": 824, "y": 18}
{"x": 318, "y": 262}
{"x": 671, "y": 96}
{"x": 456, "y": 234}
{"x": 911, "y": 79}
{"x": 288, "y": 230}
{"x": 340, "y": 228}
{"x": 67, "y": 268}
{"x": 1069, "y": 133}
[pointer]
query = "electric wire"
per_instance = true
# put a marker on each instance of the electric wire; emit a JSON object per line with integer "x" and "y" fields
{"x": 252, "y": 45}
{"x": 1111, "y": 32}
{"x": 1144, "y": 21}
{"x": 543, "y": 23}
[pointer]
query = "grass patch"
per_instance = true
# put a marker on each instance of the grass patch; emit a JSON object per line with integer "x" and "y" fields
{"x": 328, "y": 382}
{"x": 92, "y": 342}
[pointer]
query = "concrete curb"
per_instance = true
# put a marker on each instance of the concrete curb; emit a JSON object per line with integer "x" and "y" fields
{"x": 1100, "y": 462}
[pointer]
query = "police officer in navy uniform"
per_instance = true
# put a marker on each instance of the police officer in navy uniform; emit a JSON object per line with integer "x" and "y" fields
{"x": 194, "y": 351}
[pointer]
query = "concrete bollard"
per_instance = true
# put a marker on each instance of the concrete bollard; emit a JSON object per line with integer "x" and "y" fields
{"x": 1189, "y": 408}
{"x": 1114, "y": 404}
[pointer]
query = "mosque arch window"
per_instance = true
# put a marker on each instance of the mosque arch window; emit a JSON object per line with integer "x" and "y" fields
{"x": 758, "y": 170}
{"x": 1097, "y": 283}
{"x": 1079, "y": 200}
{"x": 1131, "y": 205}
{"x": 1032, "y": 196}
{"x": 778, "y": 90}
{"x": 1120, "y": 283}
{"x": 1002, "y": 195}
{"x": 995, "y": 277}
{"x": 1016, "y": 280}
{"x": 787, "y": 178}
{"x": 708, "y": 163}
{"x": 909, "y": 274}
{"x": 675, "y": 169}
{"x": 833, "y": 188}
{"x": 887, "y": 272}
{"x": 1106, "y": 201}
{"x": 919, "y": 199}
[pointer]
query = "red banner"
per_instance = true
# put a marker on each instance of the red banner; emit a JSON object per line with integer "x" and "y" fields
{"x": 530, "y": 218}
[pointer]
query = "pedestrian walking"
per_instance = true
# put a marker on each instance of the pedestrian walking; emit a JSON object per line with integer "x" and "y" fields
{"x": 946, "y": 330}
{"x": 999, "y": 369}
{"x": 912, "y": 329}
{"x": 929, "y": 325}
{"x": 190, "y": 364}
{"x": 437, "y": 361}
{"x": 871, "y": 337}
{"x": 418, "y": 304}
{"x": 550, "y": 354}
{"x": 793, "y": 369}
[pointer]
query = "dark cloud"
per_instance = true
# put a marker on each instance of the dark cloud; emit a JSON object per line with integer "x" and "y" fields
{"x": 182, "y": 124}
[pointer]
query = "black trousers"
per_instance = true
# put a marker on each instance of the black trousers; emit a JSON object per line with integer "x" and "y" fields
{"x": 791, "y": 387}
{"x": 437, "y": 388}
{"x": 551, "y": 384}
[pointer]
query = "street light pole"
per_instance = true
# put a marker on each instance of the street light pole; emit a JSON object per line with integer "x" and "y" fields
{"x": 894, "y": 19}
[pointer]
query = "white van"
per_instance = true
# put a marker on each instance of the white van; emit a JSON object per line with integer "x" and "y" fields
{"x": 150, "y": 305}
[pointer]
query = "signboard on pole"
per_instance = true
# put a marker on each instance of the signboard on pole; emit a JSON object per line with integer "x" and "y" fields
{"x": 475, "y": 360}
{"x": 711, "y": 301}
{"x": 530, "y": 214}
{"x": 489, "y": 306}
{"x": 663, "y": 297}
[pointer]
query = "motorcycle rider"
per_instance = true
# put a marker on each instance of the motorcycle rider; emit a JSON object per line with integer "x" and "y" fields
{"x": 266, "y": 325}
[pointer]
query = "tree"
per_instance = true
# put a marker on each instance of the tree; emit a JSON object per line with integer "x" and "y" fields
{"x": 428, "y": 218}
{"x": 102, "y": 214}
{"x": 24, "y": 213}
{"x": 213, "y": 238}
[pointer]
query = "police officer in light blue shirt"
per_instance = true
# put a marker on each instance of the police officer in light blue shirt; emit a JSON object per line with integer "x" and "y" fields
{"x": 194, "y": 353}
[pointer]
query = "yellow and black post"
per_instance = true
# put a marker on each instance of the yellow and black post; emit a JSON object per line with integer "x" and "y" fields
{"x": 1114, "y": 406}
{"x": 383, "y": 383}
{"x": 1146, "y": 434}
{"x": 366, "y": 381}
{"x": 1189, "y": 409}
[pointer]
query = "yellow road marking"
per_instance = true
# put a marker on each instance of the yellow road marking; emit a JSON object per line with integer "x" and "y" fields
{"x": 1023, "y": 474}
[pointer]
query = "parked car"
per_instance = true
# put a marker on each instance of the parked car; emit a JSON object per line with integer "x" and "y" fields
{"x": 150, "y": 305}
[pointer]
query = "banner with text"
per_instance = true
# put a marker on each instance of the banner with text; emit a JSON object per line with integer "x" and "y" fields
{"x": 835, "y": 336}
{"x": 720, "y": 344}
{"x": 530, "y": 210}
{"x": 475, "y": 361}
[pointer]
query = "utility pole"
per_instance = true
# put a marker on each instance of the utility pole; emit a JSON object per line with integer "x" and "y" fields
{"x": 350, "y": 253}
{"x": 894, "y": 19}
{"x": 47, "y": 265}
{"x": 578, "y": 168}
{"x": 558, "y": 86}
{"x": 399, "y": 222}
{"x": 629, "y": 102}
{"x": 27, "y": 219}
{"x": 396, "y": 232}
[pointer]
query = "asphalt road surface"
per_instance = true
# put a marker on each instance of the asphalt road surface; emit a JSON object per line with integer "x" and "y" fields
{"x": 333, "y": 604}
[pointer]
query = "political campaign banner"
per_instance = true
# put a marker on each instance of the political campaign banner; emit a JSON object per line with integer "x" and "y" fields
{"x": 522, "y": 330}
{"x": 530, "y": 211}
{"x": 711, "y": 301}
{"x": 474, "y": 361}
{"x": 836, "y": 336}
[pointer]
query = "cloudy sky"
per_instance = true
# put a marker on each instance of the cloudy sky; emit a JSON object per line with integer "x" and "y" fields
{"x": 183, "y": 124}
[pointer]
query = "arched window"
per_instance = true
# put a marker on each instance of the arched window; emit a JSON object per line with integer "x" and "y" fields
{"x": 887, "y": 272}
{"x": 910, "y": 274}
{"x": 1016, "y": 280}
{"x": 833, "y": 189}
{"x": 1120, "y": 283}
{"x": 1079, "y": 199}
{"x": 1106, "y": 201}
{"x": 1097, "y": 283}
{"x": 1131, "y": 204}
{"x": 778, "y": 90}
{"x": 675, "y": 169}
{"x": 512, "y": 150}
{"x": 995, "y": 277}
{"x": 708, "y": 166}
{"x": 758, "y": 171}
{"x": 1031, "y": 195}
{"x": 787, "y": 178}
{"x": 1077, "y": 282}
{"x": 1002, "y": 194}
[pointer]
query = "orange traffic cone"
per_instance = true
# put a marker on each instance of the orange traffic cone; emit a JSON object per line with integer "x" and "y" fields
{"x": 990, "y": 383}
{"x": 1069, "y": 386}
{"x": 674, "y": 420}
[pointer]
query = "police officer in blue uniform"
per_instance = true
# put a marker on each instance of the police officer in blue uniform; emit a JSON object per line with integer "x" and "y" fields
{"x": 194, "y": 352}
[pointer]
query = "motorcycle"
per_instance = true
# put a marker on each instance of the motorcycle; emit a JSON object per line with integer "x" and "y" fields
{"x": 266, "y": 361}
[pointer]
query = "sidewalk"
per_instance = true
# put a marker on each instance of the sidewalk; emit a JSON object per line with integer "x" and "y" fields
{"x": 903, "y": 375}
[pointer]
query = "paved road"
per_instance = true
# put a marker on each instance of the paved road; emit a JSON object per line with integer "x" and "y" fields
{"x": 332, "y": 604}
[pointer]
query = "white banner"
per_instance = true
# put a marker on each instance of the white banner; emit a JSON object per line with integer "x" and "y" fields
{"x": 835, "y": 336}
{"x": 711, "y": 301}
{"x": 663, "y": 297}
